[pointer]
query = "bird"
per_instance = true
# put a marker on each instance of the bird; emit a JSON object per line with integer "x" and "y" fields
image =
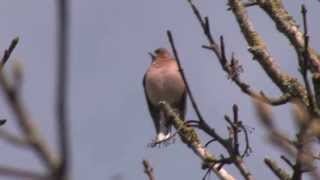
{"x": 163, "y": 82}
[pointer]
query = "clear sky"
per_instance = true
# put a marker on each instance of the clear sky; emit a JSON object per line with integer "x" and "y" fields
{"x": 110, "y": 123}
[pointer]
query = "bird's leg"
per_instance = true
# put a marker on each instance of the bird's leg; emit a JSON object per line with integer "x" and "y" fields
{"x": 171, "y": 139}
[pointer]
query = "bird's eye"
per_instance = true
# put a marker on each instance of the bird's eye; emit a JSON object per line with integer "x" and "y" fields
{"x": 159, "y": 51}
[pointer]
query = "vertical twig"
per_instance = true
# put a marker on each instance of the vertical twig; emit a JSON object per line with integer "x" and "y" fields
{"x": 62, "y": 87}
{"x": 235, "y": 128}
{"x": 193, "y": 102}
{"x": 302, "y": 135}
{"x": 306, "y": 60}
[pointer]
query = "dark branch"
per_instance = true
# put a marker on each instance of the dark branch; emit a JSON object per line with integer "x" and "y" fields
{"x": 8, "y": 51}
{"x": 285, "y": 98}
{"x": 236, "y": 130}
{"x": 193, "y": 102}
{"x": 304, "y": 65}
{"x": 219, "y": 51}
{"x": 286, "y": 24}
{"x": 189, "y": 136}
{"x": 260, "y": 52}
{"x": 247, "y": 4}
{"x": 285, "y": 159}
{"x": 280, "y": 173}
{"x": 62, "y": 88}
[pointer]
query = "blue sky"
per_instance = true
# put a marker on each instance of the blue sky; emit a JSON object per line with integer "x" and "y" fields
{"x": 110, "y": 124}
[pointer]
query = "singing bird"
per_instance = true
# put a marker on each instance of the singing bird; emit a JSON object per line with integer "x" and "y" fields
{"x": 163, "y": 82}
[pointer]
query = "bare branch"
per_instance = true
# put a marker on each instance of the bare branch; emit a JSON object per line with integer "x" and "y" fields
{"x": 62, "y": 88}
{"x": 285, "y": 98}
{"x": 247, "y": 4}
{"x": 8, "y": 51}
{"x": 190, "y": 138}
{"x": 285, "y": 159}
{"x": 303, "y": 158}
{"x": 305, "y": 61}
{"x": 24, "y": 121}
{"x": 316, "y": 88}
{"x": 148, "y": 169}
{"x": 13, "y": 139}
{"x": 259, "y": 51}
{"x": 219, "y": 51}
{"x": 288, "y": 26}
{"x": 193, "y": 102}
{"x": 21, "y": 173}
{"x": 235, "y": 129}
{"x": 280, "y": 173}
{"x": 202, "y": 123}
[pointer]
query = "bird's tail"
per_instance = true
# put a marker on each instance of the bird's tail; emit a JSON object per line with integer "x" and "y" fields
{"x": 164, "y": 128}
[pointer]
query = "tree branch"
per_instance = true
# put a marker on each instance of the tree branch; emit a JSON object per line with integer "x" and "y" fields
{"x": 24, "y": 121}
{"x": 62, "y": 88}
{"x": 190, "y": 138}
{"x": 288, "y": 26}
{"x": 280, "y": 173}
{"x": 234, "y": 157}
{"x": 13, "y": 139}
{"x": 285, "y": 98}
{"x": 219, "y": 51}
{"x": 8, "y": 52}
{"x": 21, "y": 173}
{"x": 148, "y": 170}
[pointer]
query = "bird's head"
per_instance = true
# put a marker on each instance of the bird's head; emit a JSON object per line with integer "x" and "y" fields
{"x": 162, "y": 53}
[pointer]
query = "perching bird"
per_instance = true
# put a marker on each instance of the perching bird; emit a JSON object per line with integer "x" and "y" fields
{"x": 163, "y": 82}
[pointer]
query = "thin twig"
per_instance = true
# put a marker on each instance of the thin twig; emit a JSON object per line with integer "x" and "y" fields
{"x": 285, "y": 159}
{"x": 202, "y": 123}
{"x": 283, "y": 99}
{"x": 13, "y": 139}
{"x": 247, "y": 4}
{"x": 302, "y": 136}
{"x": 209, "y": 142}
{"x": 235, "y": 128}
{"x": 258, "y": 48}
{"x": 21, "y": 173}
{"x": 24, "y": 120}
{"x": 219, "y": 51}
{"x": 193, "y": 102}
{"x": 306, "y": 61}
{"x": 148, "y": 170}
{"x": 287, "y": 25}
{"x": 279, "y": 172}
{"x": 8, "y": 51}
{"x": 62, "y": 88}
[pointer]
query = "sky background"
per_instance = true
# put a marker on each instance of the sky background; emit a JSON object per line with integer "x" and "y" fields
{"x": 110, "y": 41}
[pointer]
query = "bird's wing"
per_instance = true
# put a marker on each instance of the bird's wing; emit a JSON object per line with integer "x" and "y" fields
{"x": 182, "y": 106}
{"x": 155, "y": 113}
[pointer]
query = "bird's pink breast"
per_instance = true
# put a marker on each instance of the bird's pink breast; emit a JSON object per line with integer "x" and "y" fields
{"x": 164, "y": 84}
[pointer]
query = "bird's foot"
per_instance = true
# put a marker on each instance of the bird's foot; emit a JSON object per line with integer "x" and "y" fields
{"x": 164, "y": 142}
